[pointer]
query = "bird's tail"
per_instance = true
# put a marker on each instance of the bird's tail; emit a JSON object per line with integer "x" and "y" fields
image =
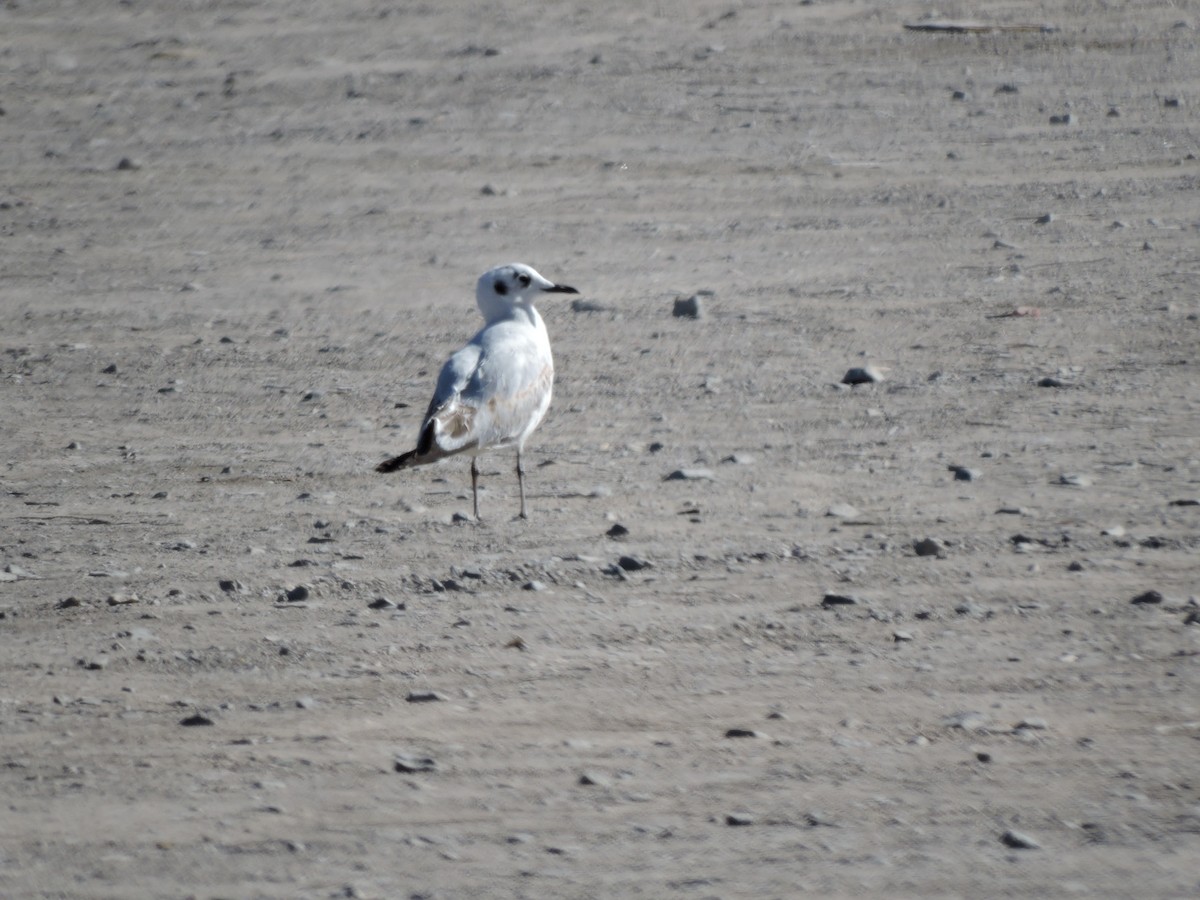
{"x": 403, "y": 461}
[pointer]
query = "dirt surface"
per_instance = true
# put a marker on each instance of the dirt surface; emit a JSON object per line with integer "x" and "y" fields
{"x": 240, "y": 238}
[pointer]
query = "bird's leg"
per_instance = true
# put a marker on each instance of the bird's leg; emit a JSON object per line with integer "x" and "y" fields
{"x": 521, "y": 484}
{"x": 475, "y": 488}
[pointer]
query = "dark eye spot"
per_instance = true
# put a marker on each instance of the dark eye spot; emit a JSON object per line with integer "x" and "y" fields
{"x": 524, "y": 279}
{"x": 500, "y": 287}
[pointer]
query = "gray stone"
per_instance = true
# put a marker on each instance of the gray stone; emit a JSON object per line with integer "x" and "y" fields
{"x": 1018, "y": 840}
{"x": 692, "y": 474}
{"x": 862, "y": 375}
{"x": 928, "y": 547}
{"x": 688, "y": 307}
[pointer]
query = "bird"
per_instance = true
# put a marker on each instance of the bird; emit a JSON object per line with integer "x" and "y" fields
{"x": 495, "y": 391}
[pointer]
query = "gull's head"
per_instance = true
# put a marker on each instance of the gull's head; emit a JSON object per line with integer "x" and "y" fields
{"x": 501, "y": 289}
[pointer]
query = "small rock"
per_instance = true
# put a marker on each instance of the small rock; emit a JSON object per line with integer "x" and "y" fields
{"x": 1033, "y": 723}
{"x": 739, "y": 819}
{"x": 838, "y": 600}
{"x": 633, "y": 563}
{"x": 424, "y": 697}
{"x": 928, "y": 547}
{"x": 298, "y": 594}
{"x": 1019, "y": 840}
{"x": 1051, "y": 382}
{"x": 962, "y": 473}
{"x": 742, "y": 733}
{"x": 533, "y": 586}
{"x": 1172, "y": 102}
{"x": 128, "y": 165}
{"x": 738, "y": 459}
{"x": 688, "y": 307}
{"x": 1064, "y": 119}
{"x": 1044, "y": 219}
{"x": 230, "y": 586}
{"x": 595, "y": 779}
{"x": 862, "y": 375}
{"x": 696, "y": 474}
{"x": 403, "y": 762}
{"x": 384, "y": 603}
{"x": 901, "y": 636}
{"x": 617, "y": 531}
{"x": 305, "y": 703}
{"x": 842, "y": 511}
{"x": 194, "y": 720}
{"x": 1147, "y": 598}
{"x": 1074, "y": 479}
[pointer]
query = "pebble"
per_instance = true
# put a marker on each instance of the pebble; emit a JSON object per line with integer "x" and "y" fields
{"x": 1033, "y": 723}
{"x": 1051, "y": 382}
{"x": 1147, "y": 598}
{"x": 617, "y": 531}
{"x": 688, "y": 307}
{"x": 742, "y": 733}
{"x": 305, "y": 703}
{"x": 384, "y": 603}
{"x": 404, "y": 762}
{"x": 738, "y": 459}
{"x": 862, "y": 375}
{"x": 424, "y": 697}
{"x": 838, "y": 600}
{"x": 901, "y": 636}
{"x": 928, "y": 547}
{"x": 298, "y": 594}
{"x": 534, "y": 585}
{"x": 230, "y": 586}
{"x": 126, "y": 164}
{"x": 595, "y": 779}
{"x": 842, "y": 511}
{"x": 697, "y": 474}
{"x": 962, "y": 473}
{"x": 739, "y": 819}
{"x": 1018, "y": 840}
{"x": 194, "y": 720}
{"x": 1044, "y": 219}
{"x": 633, "y": 563}
{"x": 1074, "y": 479}
{"x": 1064, "y": 119}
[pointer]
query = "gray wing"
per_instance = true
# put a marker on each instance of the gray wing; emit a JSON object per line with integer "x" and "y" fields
{"x": 492, "y": 392}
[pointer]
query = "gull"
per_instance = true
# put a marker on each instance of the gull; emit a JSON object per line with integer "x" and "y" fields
{"x": 496, "y": 390}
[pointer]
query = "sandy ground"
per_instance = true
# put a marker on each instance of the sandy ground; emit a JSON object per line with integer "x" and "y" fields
{"x": 207, "y": 347}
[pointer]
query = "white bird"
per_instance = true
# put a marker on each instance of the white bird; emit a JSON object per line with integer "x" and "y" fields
{"x": 496, "y": 390}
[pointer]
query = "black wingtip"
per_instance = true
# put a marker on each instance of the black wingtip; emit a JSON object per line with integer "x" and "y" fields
{"x": 391, "y": 465}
